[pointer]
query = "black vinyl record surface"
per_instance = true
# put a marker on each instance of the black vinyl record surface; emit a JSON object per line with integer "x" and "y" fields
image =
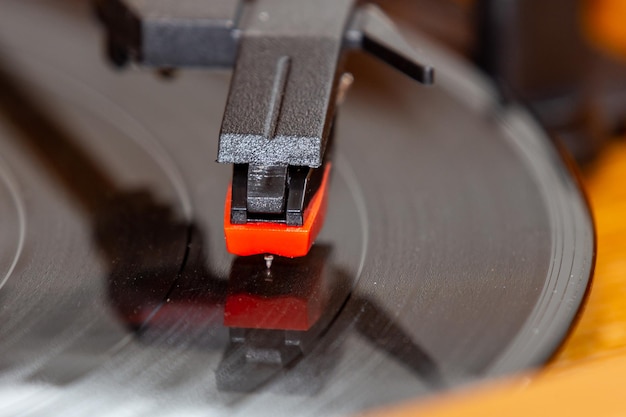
{"x": 457, "y": 244}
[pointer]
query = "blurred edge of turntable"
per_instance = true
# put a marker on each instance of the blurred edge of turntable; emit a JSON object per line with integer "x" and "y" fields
{"x": 485, "y": 211}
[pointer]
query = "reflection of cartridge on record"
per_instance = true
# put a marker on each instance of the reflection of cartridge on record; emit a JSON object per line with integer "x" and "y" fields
{"x": 290, "y": 295}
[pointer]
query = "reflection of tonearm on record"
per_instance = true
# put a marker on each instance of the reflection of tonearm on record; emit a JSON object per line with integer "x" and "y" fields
{"x": 276, "y": 318}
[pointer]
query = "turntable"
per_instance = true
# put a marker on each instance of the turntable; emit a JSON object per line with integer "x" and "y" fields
{"x": 456, "y": 246}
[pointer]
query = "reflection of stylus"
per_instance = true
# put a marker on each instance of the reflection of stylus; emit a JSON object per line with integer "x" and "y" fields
{"x": 288, "y": 77}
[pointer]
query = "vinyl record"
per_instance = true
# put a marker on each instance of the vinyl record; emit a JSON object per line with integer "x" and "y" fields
{"x": 457, "y": 246}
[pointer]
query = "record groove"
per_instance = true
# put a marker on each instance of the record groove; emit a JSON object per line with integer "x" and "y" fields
{"x": 457, "y": 244}
{"x": 12, "y": 224}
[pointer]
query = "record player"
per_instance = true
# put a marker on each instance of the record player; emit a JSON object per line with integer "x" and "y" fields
{"x": 363, "y": 240}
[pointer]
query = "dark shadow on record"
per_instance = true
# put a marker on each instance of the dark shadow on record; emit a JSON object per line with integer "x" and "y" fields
{"x": 143, "y": 241}
{"x": 160, "y": 286}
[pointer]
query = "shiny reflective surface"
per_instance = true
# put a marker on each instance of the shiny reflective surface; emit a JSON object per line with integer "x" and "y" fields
{"x": 456, "y": 247}
{"x": 12, "y": 224}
